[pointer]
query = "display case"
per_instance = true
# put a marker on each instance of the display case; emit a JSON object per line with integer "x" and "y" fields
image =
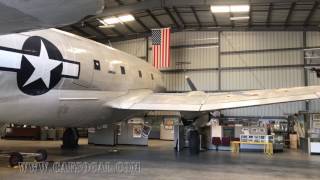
{"x": 256, "y": 138}
{"x": 315, "y": 145}
{"x": 314, "y": 135}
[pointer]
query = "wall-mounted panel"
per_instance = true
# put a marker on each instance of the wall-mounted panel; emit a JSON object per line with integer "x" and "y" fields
{"x": 313, "y": 79}
{"x": 240, "y": 41}
{"x": 262, "y": 78}
{"x": 273, "y": 58}
{"x": 203, "y": 80}
{"x": 315, "y": 106}
{"x": 194, "y": 38}
{"x": 313, "y": 39}
{"x": 136, "y": 47}
{"x": 196, "y": 57}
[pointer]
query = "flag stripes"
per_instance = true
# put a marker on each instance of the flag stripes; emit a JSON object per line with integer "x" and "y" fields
{"x": 161, "y": 48}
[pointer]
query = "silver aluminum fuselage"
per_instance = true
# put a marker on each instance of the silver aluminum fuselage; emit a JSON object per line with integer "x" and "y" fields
{"x": 75, "y": 102}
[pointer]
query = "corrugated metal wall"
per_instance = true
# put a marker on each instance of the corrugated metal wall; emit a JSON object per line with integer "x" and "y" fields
{"x": 313, "y": 40}
{"x": 228, "y": 61}
{"x": 136, "y": 47}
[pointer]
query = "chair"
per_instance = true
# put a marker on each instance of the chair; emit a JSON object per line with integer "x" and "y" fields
{"x": 226, "y": 141}
{"x": 216, "y": 141}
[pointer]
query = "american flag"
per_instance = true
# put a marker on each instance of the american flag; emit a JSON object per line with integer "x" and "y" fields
{"x": 161, "y": 47}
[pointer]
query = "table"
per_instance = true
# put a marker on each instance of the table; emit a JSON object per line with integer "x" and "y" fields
{"x": 267, "y": 146}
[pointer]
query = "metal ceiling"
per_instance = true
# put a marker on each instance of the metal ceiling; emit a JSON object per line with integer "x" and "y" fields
{"x": 265, "y": 15}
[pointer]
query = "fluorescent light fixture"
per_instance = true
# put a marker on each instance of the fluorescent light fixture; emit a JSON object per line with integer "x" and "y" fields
{"x": 106, "y": 26}
{"x": 115, "y": 20}
{"x": 228, "y": 9}
{"x": 126, "y": 18}
{"x": 111, "y": 20}
{"x": 102, "y": 22}
{"x": 220, "y": 9}
{"x": 240, "y": 8}
{"x": 239, "y": 18}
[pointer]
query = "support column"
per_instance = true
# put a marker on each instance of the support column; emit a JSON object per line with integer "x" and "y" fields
{"x": 219, "y": 61}
{"x": 147, "y": 49}
{"x": 306, "y": 79}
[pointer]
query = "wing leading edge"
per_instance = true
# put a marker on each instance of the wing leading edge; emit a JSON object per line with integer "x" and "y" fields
{"x": 200, "y": 101}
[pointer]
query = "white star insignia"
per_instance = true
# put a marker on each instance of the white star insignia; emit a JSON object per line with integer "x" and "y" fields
{"x": 42, "y": 66}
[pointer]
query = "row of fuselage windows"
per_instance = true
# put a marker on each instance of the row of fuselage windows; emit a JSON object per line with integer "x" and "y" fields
{"x": 122, "y": 69}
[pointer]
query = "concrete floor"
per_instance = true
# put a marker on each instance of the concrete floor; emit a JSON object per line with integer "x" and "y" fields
{"x": 159, "y": 161}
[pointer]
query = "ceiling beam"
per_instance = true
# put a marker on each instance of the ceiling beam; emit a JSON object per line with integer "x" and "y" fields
{"x": 154, "y": 18}
{"x": 142, "y": 24}
{"x": 196, "y": 16}
{"x": 289, "y": 16}
{"x": 129, "y": 28}
{"x": 179, "y": 16}
{"x": 250, "y": 17}
{"x": 311, "y": 13}
{"x": 269, "y": 16}
{"x": 224, "y": 28}
{"x": 95, "y": 29}
{"x": 214, "y": 19}
{"x": 160, "y": 4}
{"x": 120, "y": 3}
{"x": 231, "y": 21}
{"x": 173, "y": 19}
{"x": 82, "y": 32}
{"x": 114, "y": 30}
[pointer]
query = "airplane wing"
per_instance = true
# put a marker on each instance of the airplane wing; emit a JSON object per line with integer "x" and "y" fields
{"x": 200, "y": 101}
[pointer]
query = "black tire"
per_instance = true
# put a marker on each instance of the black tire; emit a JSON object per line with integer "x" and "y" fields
{"x": 15, "y": 158}
{"x": 70, "y": 139}
{"x": 42, "y": 157}
{"x": 194, "y": 142}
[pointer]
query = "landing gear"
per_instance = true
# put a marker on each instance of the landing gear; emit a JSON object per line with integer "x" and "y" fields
{"x": 15, "y": 158}
{"x": 194, "y": 142}
{"x": 42, "y": 155}
{"x": 70, "y": 139}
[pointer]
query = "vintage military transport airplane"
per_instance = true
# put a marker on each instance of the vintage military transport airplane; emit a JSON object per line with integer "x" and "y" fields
{"x": 57, "y": 79}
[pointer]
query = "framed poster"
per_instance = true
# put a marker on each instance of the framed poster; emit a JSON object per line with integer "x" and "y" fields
{"x": 137, "y": 131}
{"x": 168, "y": 124}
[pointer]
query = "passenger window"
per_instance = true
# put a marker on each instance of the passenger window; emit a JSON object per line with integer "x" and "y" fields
{"x": 123, "y": 70}
{"x": 152, "y": 76}
{"x": 140, "y": 74}
{"x": 96, "y": 65}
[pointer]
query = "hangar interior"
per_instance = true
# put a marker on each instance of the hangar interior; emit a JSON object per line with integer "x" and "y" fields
{"x": 265, "y": 50}
{"x": 219, "y": 54}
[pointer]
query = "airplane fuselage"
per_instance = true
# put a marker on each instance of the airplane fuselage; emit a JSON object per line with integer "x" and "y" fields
{"x": 54, "y": 78}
